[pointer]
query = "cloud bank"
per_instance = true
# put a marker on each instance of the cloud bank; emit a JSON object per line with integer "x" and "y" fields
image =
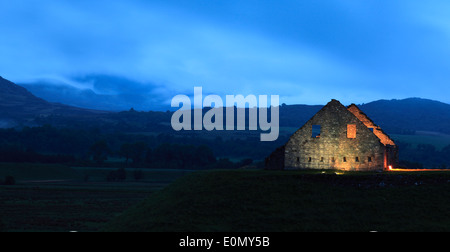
{"x": 305, "y": 51}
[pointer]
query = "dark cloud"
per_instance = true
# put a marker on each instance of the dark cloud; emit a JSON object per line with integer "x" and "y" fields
{"x": 305, "y": 51}
{"x": 103, "y": 92}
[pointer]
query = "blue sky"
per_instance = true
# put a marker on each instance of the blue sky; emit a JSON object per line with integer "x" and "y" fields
{"x": 142, "y": 53}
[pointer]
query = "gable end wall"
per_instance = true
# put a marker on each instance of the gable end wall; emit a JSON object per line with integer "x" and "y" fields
{"x": 365, "y": 152}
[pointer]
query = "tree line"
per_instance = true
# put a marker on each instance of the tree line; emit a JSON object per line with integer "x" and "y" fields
{"x": 424, "y": 156}
{"x": 88, "y": 147}
{"x": 139, "y": 154}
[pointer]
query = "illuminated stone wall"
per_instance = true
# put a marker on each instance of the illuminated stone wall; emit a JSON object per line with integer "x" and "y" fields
{"x": 384, "y": 138}
{"x": 335, "y": 147}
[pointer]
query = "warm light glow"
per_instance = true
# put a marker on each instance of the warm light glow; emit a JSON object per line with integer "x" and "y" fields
{"x": 385, "y": 139}
{"x": 351, "y": 131}
{"x": 390, "y": 168}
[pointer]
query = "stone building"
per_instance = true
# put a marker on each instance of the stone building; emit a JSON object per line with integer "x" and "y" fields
{"x": 337, "y": 137}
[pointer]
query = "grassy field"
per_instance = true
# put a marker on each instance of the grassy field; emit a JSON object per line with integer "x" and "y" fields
{"x": 57, "y": 198}
{"x": 66, "y": 208}
{"x": 25, "y": 173}
{"x": 294, "y": 201}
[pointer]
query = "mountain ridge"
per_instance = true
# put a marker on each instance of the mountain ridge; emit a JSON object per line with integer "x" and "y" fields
{"x": 18, "y": 107}
{"x": 10, "y": 89}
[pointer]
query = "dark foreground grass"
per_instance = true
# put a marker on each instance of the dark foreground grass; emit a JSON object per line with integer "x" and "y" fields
{"x": 58, "y": 208}
{"x": 57, "y": 198}
{"x": 264, "y": 201}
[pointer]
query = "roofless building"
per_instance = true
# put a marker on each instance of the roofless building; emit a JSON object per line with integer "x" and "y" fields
{"x": 337, "y": 137}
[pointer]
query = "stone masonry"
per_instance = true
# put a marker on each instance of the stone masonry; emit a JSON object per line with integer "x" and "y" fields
{"x": 337, "y": 138}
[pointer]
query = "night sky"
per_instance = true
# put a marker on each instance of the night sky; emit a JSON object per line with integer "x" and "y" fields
{"x": 126, "y": 53}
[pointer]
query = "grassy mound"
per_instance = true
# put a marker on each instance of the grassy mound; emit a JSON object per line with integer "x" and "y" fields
{"x": 268, "y": 201}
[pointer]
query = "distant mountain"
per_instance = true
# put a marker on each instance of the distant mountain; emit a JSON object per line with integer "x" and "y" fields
{"x": 19, "y": 107}
{"x": 15, "y": 96}
{"x": 413, "y": 114}
{"x": 394, "y": 116}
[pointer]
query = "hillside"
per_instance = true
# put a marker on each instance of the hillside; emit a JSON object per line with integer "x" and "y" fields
{"x": 20, "y": 107}
{"x": 412, "y": 114}
{"x": 265, "y": 201}
{"x": 394, "y": 116}
{"x": 17, "y": 104}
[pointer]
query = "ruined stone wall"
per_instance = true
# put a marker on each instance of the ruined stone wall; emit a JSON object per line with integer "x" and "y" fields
{"x": 391, "y": 156}
{"x": 333, "y": 148}
{"x": 384, "y": 138}
{"x": 276, "y": 160}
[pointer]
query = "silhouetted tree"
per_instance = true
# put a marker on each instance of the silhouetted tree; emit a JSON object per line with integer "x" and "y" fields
{"x": 100, "y": 151}
{"x": 204, "y": 156}
{"x": 138, "y": 151}
{"x": 224, "y": 163}
{"x": 245, "y": 162}
{"x": 125, "y": 151}
{"x": 163, "y": 153}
